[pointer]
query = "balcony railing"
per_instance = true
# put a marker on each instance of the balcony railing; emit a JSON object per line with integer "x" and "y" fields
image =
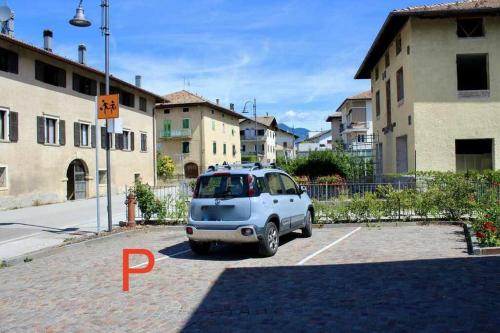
{"x": 252, "y": 137}
{"x": 174, "y": 134}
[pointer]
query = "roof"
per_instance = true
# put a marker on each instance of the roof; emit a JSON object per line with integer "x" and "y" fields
{"x": 268, "y": 121}
{"x": 187, "y": 98}
{"x": 364, "y": 96}
{"x": 335, "y": 115}
{"x": 57, "y": 57}
{"x": 398, "y": 18}
{"x": 316, "y": 136}
{"x": 287, "y": 132}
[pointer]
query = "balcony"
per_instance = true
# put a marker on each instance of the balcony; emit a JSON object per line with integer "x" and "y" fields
{"x": 184, "y": 133}
{"x": 252, "y": 138}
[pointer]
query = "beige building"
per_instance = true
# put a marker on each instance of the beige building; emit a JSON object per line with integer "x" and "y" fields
{"x": 336, "y": 123}
{"x": 258, "y": 141}
{"x": 47, "y": 127}
{"x": 285, "y": 143}
{"x": 436, "y": 87}
{"x": 196, "y": 133}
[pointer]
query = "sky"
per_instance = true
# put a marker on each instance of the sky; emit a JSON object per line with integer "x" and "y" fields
{"x": 298, "y": 58}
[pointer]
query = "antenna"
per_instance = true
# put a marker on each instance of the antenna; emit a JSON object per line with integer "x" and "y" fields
{"x": 6, "y": 20}
{"x": 5, "y": 13}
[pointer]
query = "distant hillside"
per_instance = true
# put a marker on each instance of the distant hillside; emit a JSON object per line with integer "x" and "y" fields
{"x": 303, "y": 133}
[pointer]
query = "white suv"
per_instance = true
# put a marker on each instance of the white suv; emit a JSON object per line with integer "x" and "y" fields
{"x": 247, "y": 204}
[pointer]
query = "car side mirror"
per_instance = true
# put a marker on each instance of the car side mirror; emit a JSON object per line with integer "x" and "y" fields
{"x": 303, "y": 189}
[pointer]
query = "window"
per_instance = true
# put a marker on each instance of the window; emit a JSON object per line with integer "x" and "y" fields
{"x": 103, "y": 174}
{"x": 185, "y": 123}
{"x": 260, "y": 132}
{"x": 388, "y": 102}
{"x": 474, "y": 154}
{"x": 137, "y": 177}
{"x": 224, "y": 151}
{"x": 274, "y": 183}
{"x": 243, "y": 148}
{"x": 289, "y": 184}
{"x": 143, "y": 104}
{"x": 3, "y": 124}
{"x": 376, "y": 73}
{"x": 377, "y": 104}
{"x": 185, "y": 147}
{"x": 84, "y": 135}
{"x": 223, "y": 128}
{"x": 166, "y": 111}
{"x": 400, "y": 84}
{"x": 285, "y": 144}
{"x": 144, "y": 142}
{"x": 50, "y": 74}
{"x": 472, "y": 72}
{"x": 398, "y": 45}
{"x": 126, "y": 140}
{"x": 234, "y": 150}
{"x": 232, "y": 131}
{"x": 213, "y": 125}
{"x": 51, "y": 131}
{"x": 212, "y": 111}
{"x": 262, "y": 148}
{"x": 185, "y": 110}
{"x": 126, "y": 98}
{"x": 470, "y": 27}
{"x": 9, "y": 61}
{"x": 84, "y": 85}
{"x": 3, "y": 177}
{"x": 214, "y": 147}
{"x": 387, "y": 60}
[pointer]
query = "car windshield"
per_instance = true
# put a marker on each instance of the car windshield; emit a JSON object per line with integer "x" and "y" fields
{"x": 223, "y": 186}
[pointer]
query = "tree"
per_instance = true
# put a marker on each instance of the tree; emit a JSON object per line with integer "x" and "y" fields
{"x": 165, "y": 167}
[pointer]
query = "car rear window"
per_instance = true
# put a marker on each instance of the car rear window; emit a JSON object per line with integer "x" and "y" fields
{"x": 226, "y": 185}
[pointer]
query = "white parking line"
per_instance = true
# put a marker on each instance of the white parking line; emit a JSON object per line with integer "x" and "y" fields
{"x": 162, "y": 258}
{"x": 303, "y": 261}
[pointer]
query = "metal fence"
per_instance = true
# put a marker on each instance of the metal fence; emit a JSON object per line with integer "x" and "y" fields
{"x": 328, "y": 192}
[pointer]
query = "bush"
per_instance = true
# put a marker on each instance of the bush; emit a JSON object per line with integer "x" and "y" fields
{"x": 165, "y": 166}
{"x": 333, "y": 179}
{"x": 147, "y": 202}
{"x": 487, "y": 224}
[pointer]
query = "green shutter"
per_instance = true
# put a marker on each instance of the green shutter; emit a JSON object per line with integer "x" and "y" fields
{"x": 185, "y": 123}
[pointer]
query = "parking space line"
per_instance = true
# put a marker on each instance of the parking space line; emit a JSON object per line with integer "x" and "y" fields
{"x": 162, "y": 258}
{"x": 303, "y": 261}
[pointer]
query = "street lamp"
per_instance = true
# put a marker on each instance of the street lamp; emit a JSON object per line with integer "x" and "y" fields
{"x": 79, "y": 20}
{"x": 255, "y": 119}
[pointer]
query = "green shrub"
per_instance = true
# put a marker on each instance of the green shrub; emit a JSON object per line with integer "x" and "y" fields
{"x": 147, "y": 202}
{"x": 165, "y": 166}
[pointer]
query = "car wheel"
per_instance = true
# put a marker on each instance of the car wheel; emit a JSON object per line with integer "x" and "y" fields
{"x": 307, "y": 230}
{"x": 268, "y": 246}
{"x": 200, "y": 248}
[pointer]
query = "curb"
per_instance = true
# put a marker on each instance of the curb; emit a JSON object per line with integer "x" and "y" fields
{"x": 386, "y": 224}
{"x": 473, "y": 245}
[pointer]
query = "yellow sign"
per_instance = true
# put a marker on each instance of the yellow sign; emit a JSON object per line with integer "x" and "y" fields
{"x": 109, "y": 106}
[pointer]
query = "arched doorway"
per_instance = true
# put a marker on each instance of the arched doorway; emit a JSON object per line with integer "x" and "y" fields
{"x": 77, "y": 180}
{"x": 191, "y": 170}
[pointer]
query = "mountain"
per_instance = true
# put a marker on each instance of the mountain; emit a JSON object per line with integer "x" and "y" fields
{"x": 303, "y": 133}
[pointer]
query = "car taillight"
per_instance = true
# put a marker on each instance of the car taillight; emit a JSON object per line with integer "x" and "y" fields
{"x": 189, "y": 230}
{"x": 251, "y": 189}
{"x": 196, "y": 188}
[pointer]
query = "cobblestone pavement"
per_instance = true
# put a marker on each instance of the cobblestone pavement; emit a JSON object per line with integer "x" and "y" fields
{"x": 405, "y": 279}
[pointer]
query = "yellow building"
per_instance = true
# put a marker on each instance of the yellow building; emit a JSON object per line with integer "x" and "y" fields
{"x": 196, "y": 133}
{"x": 47, "y": 128}
{"x": 435, "y": 75}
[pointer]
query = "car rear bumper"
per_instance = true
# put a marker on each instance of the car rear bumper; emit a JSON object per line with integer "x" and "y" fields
{"x": 223, "y": 235}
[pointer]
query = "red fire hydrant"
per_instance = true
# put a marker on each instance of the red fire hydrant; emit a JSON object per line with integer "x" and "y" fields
{"x": 131, "y": 210}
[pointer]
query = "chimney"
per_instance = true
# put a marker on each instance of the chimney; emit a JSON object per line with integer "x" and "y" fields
{"x": 47, "y": 40}
{"x": 217, "y": 101}
{"x": 231, "y": 106}
{"x": 82, "y": 50}
{"x": 138, "y": 81}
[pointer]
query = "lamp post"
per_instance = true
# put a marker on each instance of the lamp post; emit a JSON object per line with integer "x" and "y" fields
{"x": 79, "y": 20}
{"x": 255, "y": 123}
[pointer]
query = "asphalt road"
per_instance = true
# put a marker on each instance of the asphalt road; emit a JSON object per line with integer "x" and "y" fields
{"x": 33, "y": 228}
{"x": 389, "y": 279}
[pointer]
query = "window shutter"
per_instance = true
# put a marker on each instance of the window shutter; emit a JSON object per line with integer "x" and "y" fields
{"x": 118, "y": 141}
{"x": 61, "y": 78}
{"x": 13, "y": 126}
{"x": 92, "y": 136}
{"x": 104, "y": 139}
{"x": 145, "y": 142}
{"x": 93, "y": 88}
{"x": 40, "y": 125}
{"x": 62, "y": 132}
{"x": 76, "y": 82}
{"x": 13, "y": 63}
{"x": 132, "y": 143}
{"x": 39, "y": 70}
{"x": 77, "y": 134}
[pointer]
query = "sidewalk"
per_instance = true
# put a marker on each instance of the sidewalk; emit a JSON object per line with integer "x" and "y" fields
{"x": 33, "y": 228}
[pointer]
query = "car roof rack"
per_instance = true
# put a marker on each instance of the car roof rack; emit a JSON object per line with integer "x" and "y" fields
{"x": 213, "y": 168}
{"x": 251, "y": 166}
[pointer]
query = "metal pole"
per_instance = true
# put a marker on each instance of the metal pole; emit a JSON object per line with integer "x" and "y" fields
{"x": 98, "y": 207}
{"x": 105, "y": 29}
{"x": 256, "y": 138}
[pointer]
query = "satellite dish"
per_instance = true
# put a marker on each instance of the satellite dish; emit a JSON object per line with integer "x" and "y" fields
{"x": 5, "y": 13}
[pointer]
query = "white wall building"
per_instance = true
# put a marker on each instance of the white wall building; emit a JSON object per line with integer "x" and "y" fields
{"x": 315, "y": 142}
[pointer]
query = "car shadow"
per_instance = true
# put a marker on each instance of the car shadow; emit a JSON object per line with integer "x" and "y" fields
{"x": 224, "y": 251}
{"x": 439, "y": 295}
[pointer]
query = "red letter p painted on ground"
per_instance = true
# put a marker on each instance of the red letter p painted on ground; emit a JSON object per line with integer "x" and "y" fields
{"x": 127, "y": 270}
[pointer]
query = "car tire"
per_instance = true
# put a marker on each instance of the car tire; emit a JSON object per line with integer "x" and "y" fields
{"x": 268, "y": 245}
{"x": 307, "y": 230}
{"x": 200, "y": 248}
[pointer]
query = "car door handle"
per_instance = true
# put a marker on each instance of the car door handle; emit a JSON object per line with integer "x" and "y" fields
{"x": 275, "y": 200}
{"x": 291, "y": 200}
